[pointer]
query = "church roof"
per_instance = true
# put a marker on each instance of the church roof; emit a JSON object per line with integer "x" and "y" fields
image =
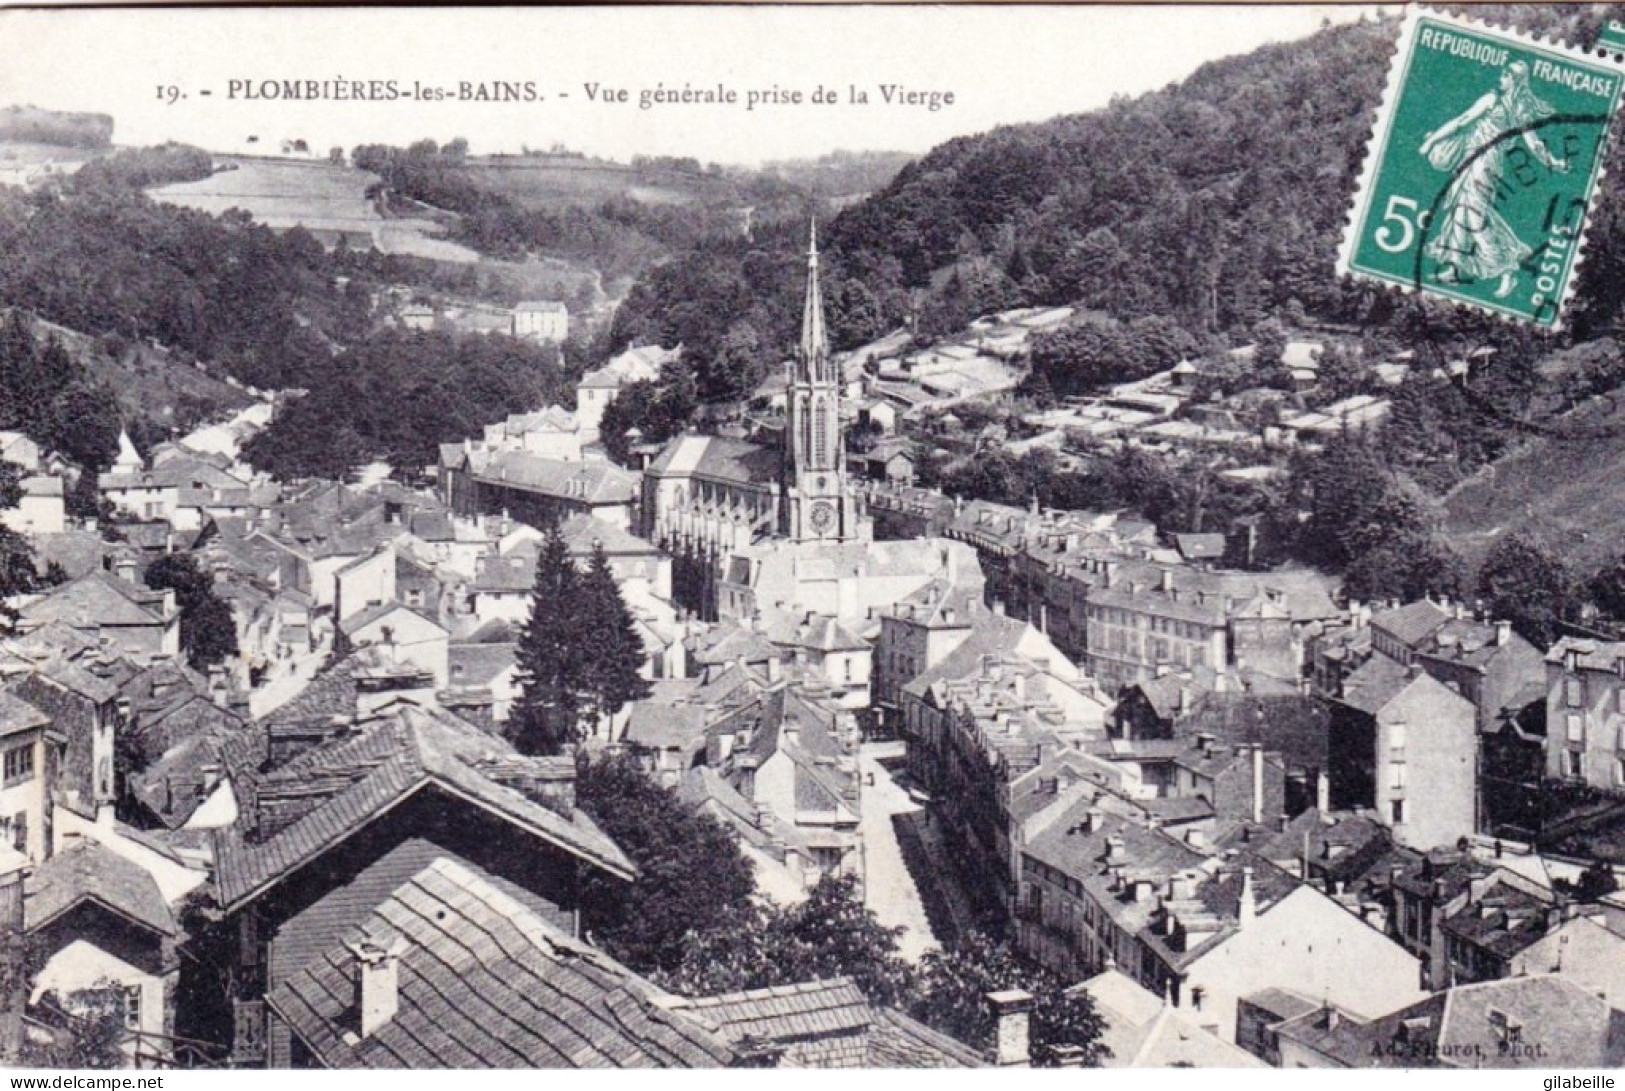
{"x": 719, "y": 459}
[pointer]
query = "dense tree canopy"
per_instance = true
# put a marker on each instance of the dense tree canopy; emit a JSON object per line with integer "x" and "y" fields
{"x": 691, "y": 875}
{"x": 208, "y": 634}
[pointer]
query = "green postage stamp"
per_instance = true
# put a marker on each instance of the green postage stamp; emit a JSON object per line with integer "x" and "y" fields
{"x": 1486, "y": 154}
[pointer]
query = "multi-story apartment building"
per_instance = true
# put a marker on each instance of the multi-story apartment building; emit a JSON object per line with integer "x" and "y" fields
{"x": 1585, "y": 712}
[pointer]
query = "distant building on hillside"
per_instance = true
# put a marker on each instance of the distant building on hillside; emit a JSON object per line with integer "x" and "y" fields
{"x": 541, "y": 320}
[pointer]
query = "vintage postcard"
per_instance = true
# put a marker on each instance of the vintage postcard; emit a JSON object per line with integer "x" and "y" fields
{"x": 811, "y": 537}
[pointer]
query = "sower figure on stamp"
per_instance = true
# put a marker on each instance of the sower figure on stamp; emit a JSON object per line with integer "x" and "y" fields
{"x": 1471, "y": 240}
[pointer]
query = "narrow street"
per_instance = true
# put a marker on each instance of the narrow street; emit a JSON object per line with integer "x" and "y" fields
{"x": 288, "y": 680}
{"x": 890, "y": 889}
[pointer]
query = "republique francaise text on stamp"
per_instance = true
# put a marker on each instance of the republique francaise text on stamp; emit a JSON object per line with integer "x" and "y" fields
{"x": 1483, "y": 164}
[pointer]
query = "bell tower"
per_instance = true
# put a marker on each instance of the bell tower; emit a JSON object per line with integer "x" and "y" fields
{"x": 817, "y": 505}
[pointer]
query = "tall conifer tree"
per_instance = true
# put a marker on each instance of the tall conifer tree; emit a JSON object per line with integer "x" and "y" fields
{"x": 552, "y": 655}
{"x": 615, "y": 652}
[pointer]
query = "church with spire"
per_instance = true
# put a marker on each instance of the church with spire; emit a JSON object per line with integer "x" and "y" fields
{"x": 816, "y": 503}
{"x": 705, "y": 499}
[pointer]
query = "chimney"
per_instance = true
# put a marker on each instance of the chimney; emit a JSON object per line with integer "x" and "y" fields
{"x": 1067, "y": 1056}
{"x": 1167, "y": 581}
{"x": 1204, "y": 740}
{"x": 1011, "y": 1008}
{"x": 1258, "y": 783}
{"x": 1114, "y": 850}
{"x": 1503, "y": 633}
{"x": 1247, "y": 909}
{"x": 1195, "y": 838}
{"x": 377, "y": 984}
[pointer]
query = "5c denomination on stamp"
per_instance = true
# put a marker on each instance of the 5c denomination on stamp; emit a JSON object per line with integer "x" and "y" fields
{"x": 1483, "y": 164}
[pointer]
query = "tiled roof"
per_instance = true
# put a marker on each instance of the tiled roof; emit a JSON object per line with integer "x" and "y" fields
{"x": 1142, "y": 1031}
{"x": 18, "y": 715}
{"x": 485, "y": 982}
{"x": 586, "y": 482}
{"x": 392, "y": 755}
{"x": 1375, "y": 684}
{"x": 479, "y": 664}
{"x": 656, "y": 726}
{"x": 729, "y": 460}
{"x": 77, "y": 552}
{"x": 1199, "y": 546}
{"x": 1294, "y": 725}
{"x": 1597, "y": 655}
{"x": 808, "y": 1010}
{"x": 376, "y": 612}
{"x": 89, "y": 872}
{"x": 581, "y": 531}
{"x": 506, "y": 574}
{"x": 1460, "y": 1027}
{"x": 897, "y": 1041}
{"x": 97, "y": 599}
{"x": 1412, "y": 623}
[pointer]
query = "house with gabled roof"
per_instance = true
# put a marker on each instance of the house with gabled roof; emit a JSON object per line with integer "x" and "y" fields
{"x": 97, "y": 920}
{"x": 141, "y": 623}
{"x": 1143, "y": 1030}
{"x": 322, "y": 833}
{"x": 450, "y": 966}
{"x": 405, "y": 635}
{"x": 797, "y": 757}
{"x": 1405, "y": 745}
{"x": 29, "y": 748}
{"x": 1521, "y": 1022}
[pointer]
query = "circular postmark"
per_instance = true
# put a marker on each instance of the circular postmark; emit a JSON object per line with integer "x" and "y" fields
{"x": 1467, "y": 235}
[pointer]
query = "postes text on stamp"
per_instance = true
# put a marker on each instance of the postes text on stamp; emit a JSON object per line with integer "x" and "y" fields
{"x": 1485, "y": 157}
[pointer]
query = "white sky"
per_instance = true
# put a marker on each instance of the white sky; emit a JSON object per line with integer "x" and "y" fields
{"x": 1003, "y": 64}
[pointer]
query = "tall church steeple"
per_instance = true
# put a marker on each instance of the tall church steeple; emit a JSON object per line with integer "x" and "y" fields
{"x": 814, "y": 340}
{"x": 816, "y": 503}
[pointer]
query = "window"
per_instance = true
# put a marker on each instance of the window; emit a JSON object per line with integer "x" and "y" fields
{"x": 132, "y": 1007}
{"x": 1576, "y": 726}
{"x": 19, "y": 831}
{"x": 20, "y": 764}
{"x": 1577, "y": 764}
{"x": 1574, "y": 692}
{"x": 1396, "y": 775}
{"x": 1396, "y": 811}
{"x": 1396, "y": 736}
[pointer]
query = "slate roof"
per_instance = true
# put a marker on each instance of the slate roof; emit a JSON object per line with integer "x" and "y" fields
{"x": 392, "y": 755}
{"x": 76, "y": 552}
{"x": 1143, "y": 1031}
{"x": 89, "y": 872}
{"x": 514, "y": 573}
{"x": 378, "y": 611}
{"x": 1459, "y": 1028}
{"x": 98, "y": 599}
{"x": 1294, "y": 725}
{"x": 1375, "y": 684}
{"x": 1199, "y": 546}
{"x": 479, "y": 664}
{"x": 581, "y": 530}
{"x": 898, "y": 1041}
{"x": 811, "y": 1009}
{"x": 485, "y": 982}
{"x": 653, "y": 725}
{"x": 1412, "y": 623}
{"x": 17, "y": 715}
{"x": 587, "y": 482}
{"x": 728, "y": 460}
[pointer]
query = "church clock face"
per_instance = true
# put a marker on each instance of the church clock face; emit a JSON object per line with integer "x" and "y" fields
{"x": 822, "y": 516}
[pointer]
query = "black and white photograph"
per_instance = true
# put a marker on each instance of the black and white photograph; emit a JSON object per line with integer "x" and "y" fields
{"x": 812, "y": 536}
